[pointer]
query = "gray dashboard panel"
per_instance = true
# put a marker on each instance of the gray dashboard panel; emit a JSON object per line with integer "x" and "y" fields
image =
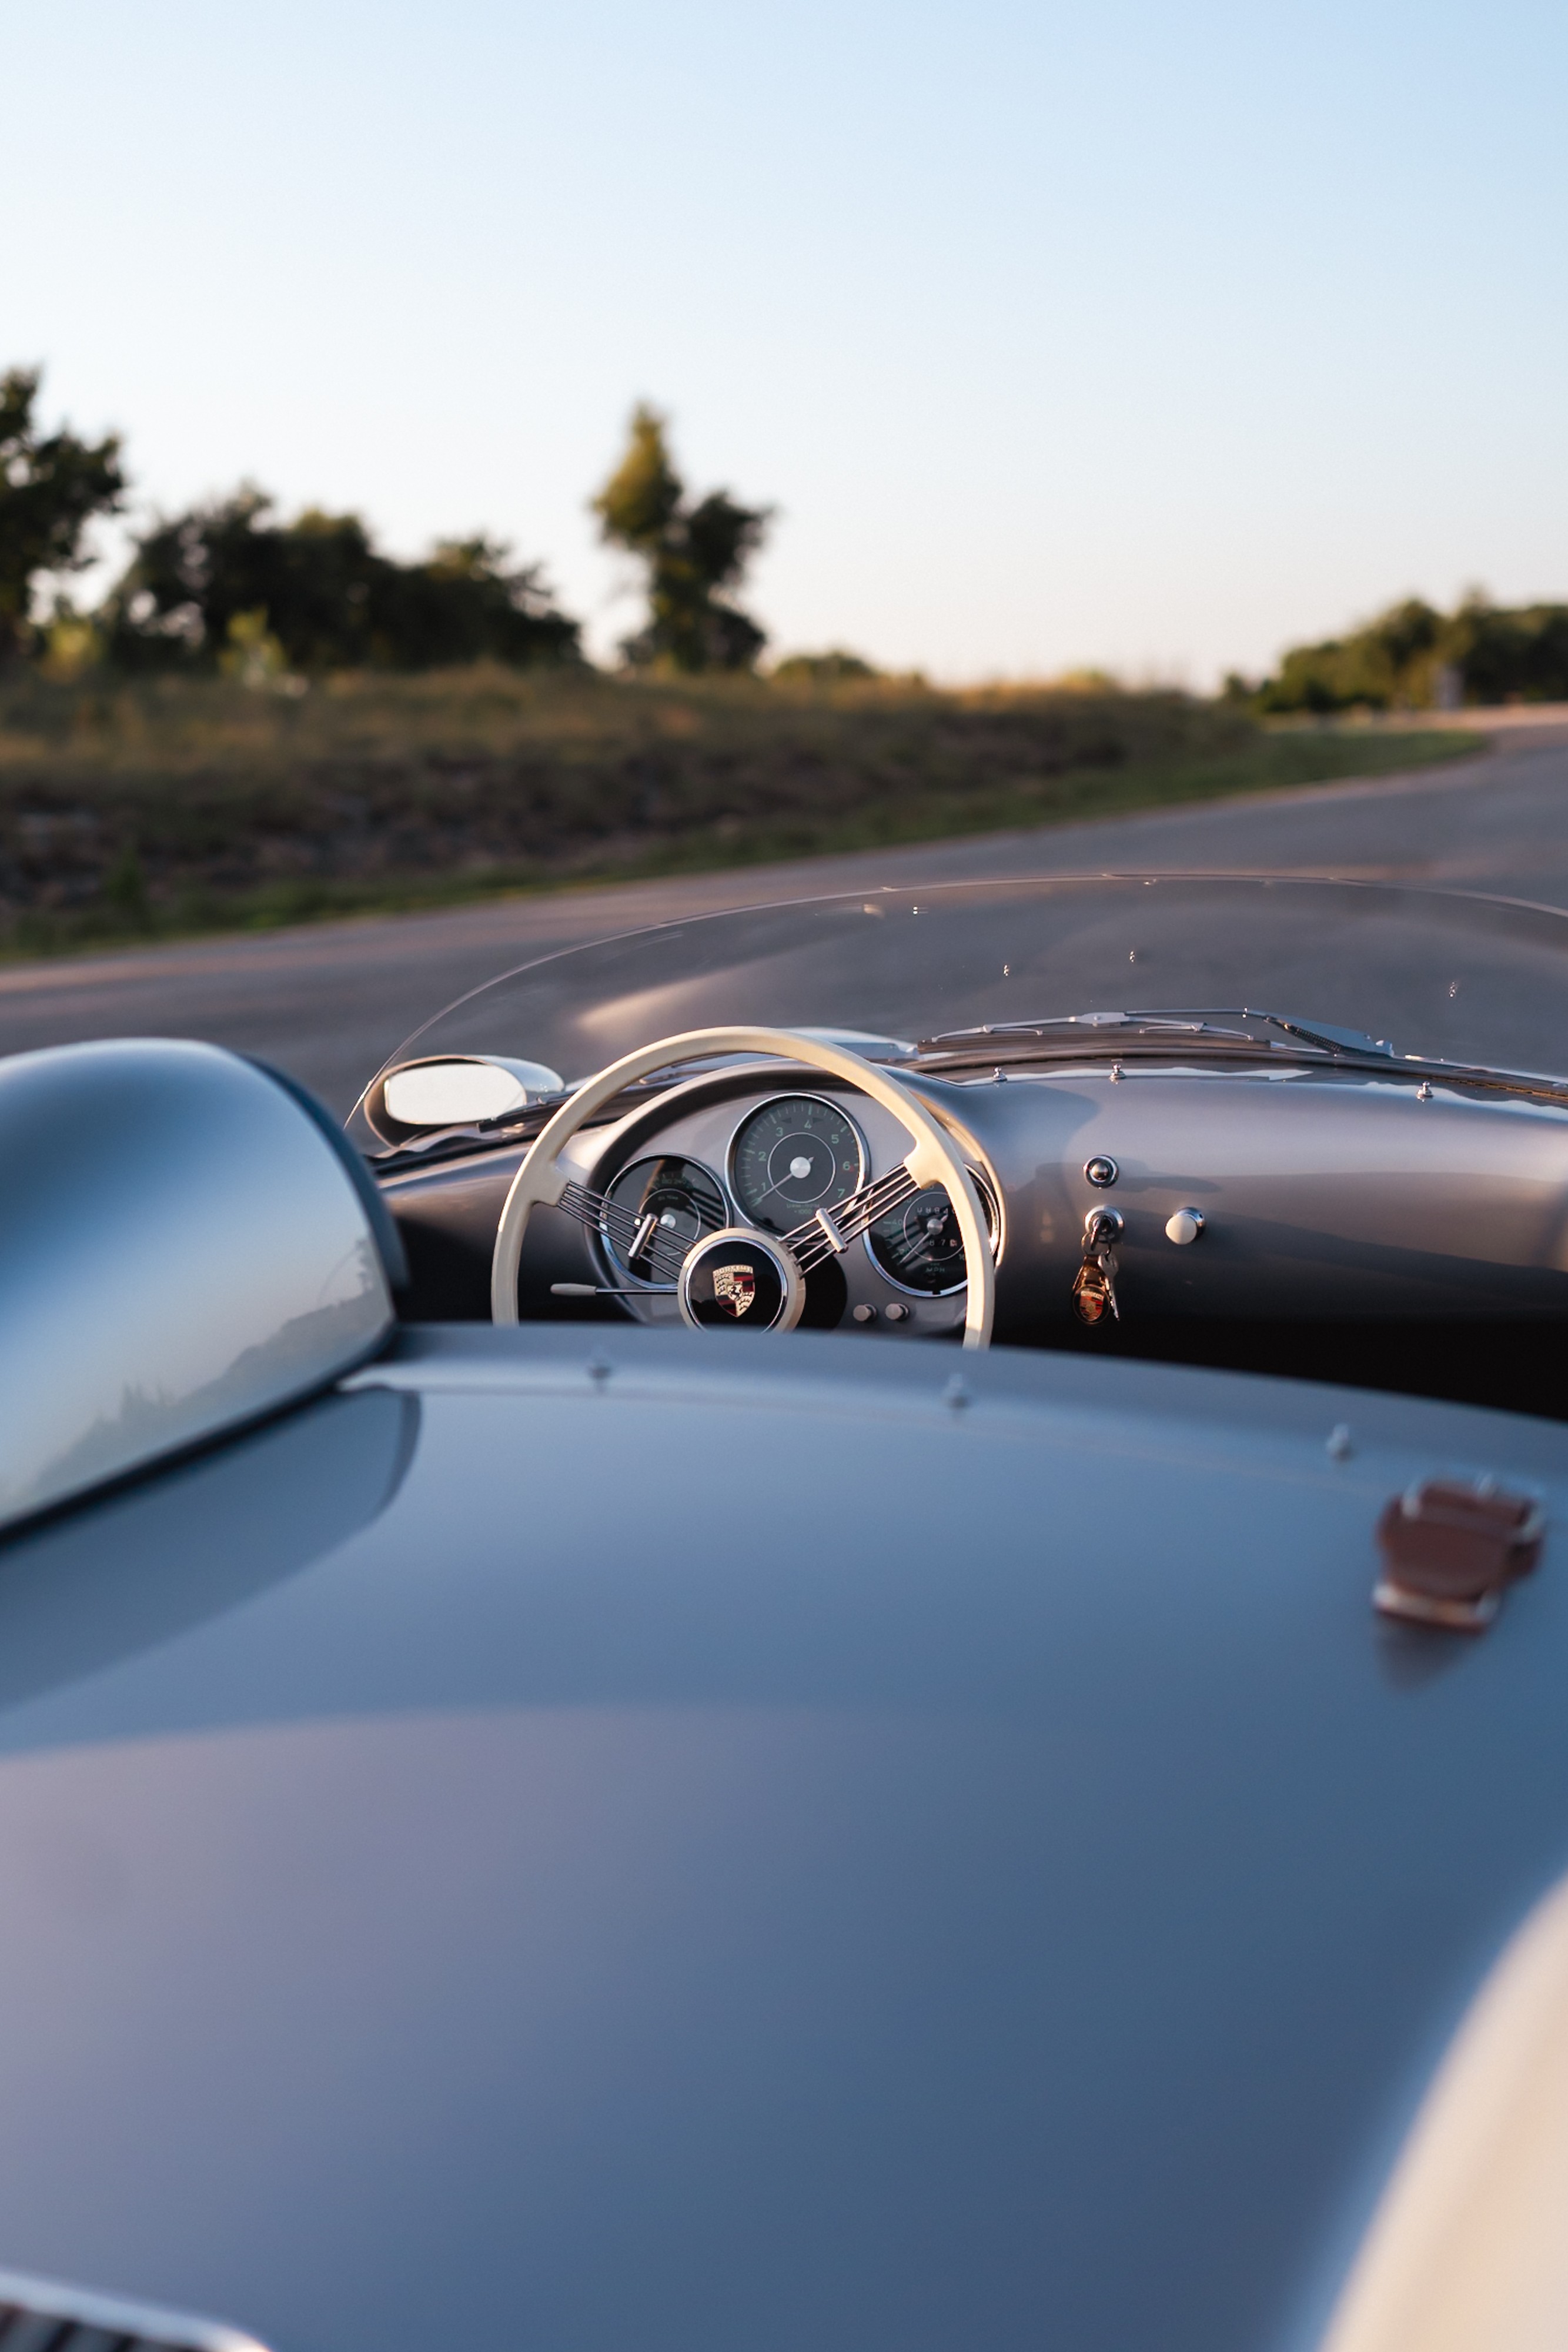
{"x": 690, "y": 1845}
{"x": 1326, "y": 1195}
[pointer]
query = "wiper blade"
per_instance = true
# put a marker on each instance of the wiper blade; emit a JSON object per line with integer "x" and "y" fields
{"x": 1217, "y": 1026}
{"x": 1329, "y": 1037}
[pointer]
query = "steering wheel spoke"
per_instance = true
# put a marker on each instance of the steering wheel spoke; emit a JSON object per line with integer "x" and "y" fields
{"x": 830, "y": 1232}
{"x": 628, "y": 1234}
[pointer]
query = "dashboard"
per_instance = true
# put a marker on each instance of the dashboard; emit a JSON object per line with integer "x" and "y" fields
{"x": 1261, "y": 1204}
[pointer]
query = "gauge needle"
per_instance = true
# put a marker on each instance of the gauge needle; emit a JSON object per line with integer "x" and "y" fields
{"x": 796, "y": 1170}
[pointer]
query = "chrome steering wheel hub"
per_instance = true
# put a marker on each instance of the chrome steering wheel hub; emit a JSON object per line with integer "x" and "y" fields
{"x": 741, "y": 1277}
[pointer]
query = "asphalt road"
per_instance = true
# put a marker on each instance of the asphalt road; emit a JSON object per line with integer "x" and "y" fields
{"x": 329, "y": 1002}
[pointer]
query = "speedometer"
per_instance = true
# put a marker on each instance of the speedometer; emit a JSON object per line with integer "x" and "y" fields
{"x": 792, "y": 1155}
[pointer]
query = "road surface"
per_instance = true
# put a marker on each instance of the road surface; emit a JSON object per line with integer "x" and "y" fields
{"x": 329, "y": 1002}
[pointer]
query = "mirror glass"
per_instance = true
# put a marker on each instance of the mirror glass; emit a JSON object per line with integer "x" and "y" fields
{"x": 455, "y": 1093}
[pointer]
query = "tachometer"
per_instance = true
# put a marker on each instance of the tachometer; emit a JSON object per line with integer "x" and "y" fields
{"x": 655, "y": 1210}
{"x": 792, "y": 1155}
{"x": 918, "y": 1245}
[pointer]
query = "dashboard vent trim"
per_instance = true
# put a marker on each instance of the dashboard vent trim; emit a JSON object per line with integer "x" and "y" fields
{"x": 41, "y": 2315}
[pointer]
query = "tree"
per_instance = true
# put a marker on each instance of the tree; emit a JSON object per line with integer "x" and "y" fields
{"x": 1411, "y": 654}
{"x": 1392, "y": 660}
{"x": 835, "y": 668}
{"x": 464, "y": 603}
{"x": 51, "y": 488}
{"x": 1501, "y": 655}
{"x": 325, "y": 596}
{"x": 693, "y": 554}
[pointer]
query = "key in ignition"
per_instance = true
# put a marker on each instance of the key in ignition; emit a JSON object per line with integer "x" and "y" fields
{"x": 1094, "y": 1285}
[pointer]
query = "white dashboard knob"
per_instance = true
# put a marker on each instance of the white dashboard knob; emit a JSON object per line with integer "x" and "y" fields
{"x": 1185, "y": 1226}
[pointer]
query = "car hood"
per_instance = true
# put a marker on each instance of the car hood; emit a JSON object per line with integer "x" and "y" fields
{"x": 583, "y": 1839}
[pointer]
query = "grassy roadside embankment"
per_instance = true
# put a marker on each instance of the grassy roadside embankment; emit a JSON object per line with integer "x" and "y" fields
{"x": 137, "y": 810}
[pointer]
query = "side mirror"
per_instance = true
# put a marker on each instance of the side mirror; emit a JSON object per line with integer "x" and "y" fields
{"x": 453, "y": 1090}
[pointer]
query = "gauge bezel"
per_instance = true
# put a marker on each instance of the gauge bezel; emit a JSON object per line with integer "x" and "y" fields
{"x": 790, "y": 1094}
{"x": 622, "y": 1270}
{"x": 982, "y": 1184}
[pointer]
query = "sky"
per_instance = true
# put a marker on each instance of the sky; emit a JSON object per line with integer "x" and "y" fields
{"x": 1148, "y": 337}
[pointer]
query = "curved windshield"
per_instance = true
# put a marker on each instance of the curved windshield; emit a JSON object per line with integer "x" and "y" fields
{"x": 1432, "y": 975}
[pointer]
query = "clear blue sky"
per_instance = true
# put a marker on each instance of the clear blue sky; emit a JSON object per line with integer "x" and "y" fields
{"x": 1145, "y": 335}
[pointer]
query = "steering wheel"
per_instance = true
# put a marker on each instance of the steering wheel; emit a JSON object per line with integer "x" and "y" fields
{"x": 759, "y": 1259}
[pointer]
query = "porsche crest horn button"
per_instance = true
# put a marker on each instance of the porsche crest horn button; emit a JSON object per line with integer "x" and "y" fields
{"x": 740, "y": 1278}
{"x": 735, "y": 1288}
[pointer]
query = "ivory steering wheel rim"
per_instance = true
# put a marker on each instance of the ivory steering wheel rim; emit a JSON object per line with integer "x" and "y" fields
{"x": 933, "y": 1158}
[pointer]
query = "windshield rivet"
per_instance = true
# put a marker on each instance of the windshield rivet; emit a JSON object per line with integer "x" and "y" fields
{"x": 1101, "y": 1171}
{"x": 1117, "y": 1073}
{"x": 1423, "y": 1092}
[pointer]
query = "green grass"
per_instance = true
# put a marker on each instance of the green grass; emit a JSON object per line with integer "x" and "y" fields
{"x": 148, "y": 810}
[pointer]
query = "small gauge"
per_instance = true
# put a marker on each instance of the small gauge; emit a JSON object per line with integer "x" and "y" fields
{"x": 655, "y": 1210}
{"x": 792, "y": 1155}
{"x": 918, "y": 1245}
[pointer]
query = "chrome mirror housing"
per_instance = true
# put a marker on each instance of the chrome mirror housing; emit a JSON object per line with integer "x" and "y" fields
{"x": 453, "y": 1090}
{"x": 186, "y": 1244}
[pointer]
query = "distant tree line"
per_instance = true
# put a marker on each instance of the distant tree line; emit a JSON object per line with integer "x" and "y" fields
{"x": 213, "y": 584}
{"x": 1414, "y": 658}
{"x": 229, "y": 586}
